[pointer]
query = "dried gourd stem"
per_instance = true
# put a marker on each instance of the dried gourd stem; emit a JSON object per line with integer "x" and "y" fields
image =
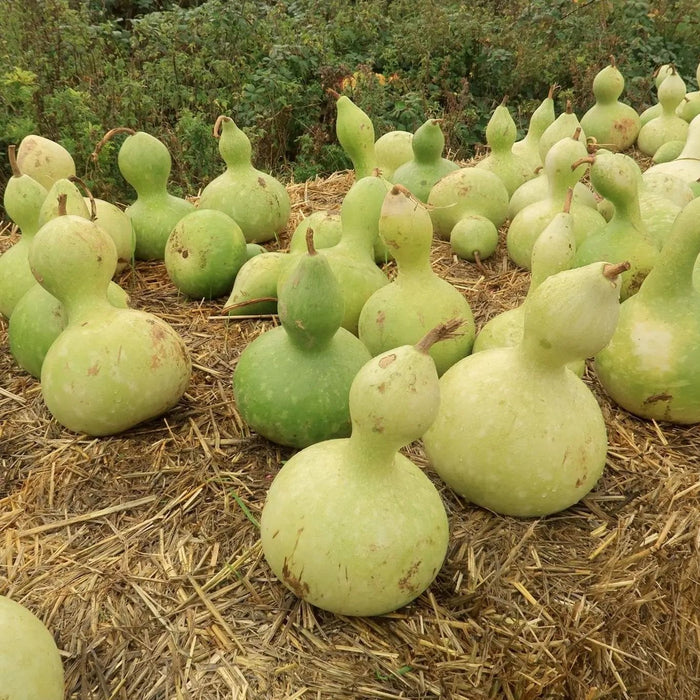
{"x": 592, "y": 144}
{"x": 577, "y": 133}
{"x": 504, "y": 101}
{"x": 567, "y": 201}
{"x": 217, "y": 125}
{"x": 477, "y": 262}
{"x": 445, "y": 331}
{"x": 88, "y": 194}
{"x": 539, "y": 169}
{"x": 62, "y": 204}
{"x": 310, "y": 242}
{"x": 12, "y": 157}
{"x": 552, "y": 89}
{"x": 581, "y": 161}
{"x": 333, "y": 93}
{"x": 612, "y": 61}
{"x": 112, "y": 132}
{"x": 569, "y": 107}
{"x": 611, "y": 271}
{"x": 248, "y": 302}
{"x": 437, "y": 121}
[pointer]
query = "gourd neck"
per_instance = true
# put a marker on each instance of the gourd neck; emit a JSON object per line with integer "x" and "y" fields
{"x": 541, "y": 359}
{"x": 81, "y": 308}
{"x": 372, "y": 451}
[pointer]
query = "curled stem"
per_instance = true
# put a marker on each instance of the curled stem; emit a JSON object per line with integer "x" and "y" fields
{"x": 108, "y": 136}
{"x": 88, "y": 194}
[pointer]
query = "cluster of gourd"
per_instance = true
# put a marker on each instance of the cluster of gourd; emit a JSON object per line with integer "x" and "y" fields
{"x": 361, "y": 365}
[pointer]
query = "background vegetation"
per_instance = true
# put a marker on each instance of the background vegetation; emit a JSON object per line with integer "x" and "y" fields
{"x": 70, "y": 70}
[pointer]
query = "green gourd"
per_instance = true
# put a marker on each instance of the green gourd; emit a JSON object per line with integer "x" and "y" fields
{"x": 668, "y": 151}
{"x": 687, "y": 165}
{"x": 255, "y": 200}
{"x": 22, "y": 198}
{"x": 689, "y": 108}
{"x": 562, "y": 127}
{"x": 517, "y": 432}
{"x": 427, "y": 166}
{"x": 352, "y": 525}
{"x": 611, "y": 123}
{"x": 668, "y": 126}
{"x": 253, "y": 249}
{"x": 553, "y": 252}
{"x": 204, "y": 253}
{"x": 254, "y": 290}
{"x": 660, "y": 74}
{"x": 564, "y": 166}
{"x": 527, "y": 149}
{"x": 652, "y": 365}
{"x": 392, "y": 150}
{"x": 145, "y": 163}
{"x": 44, "y": 160}
{"x": 616, "y": 177}
{"x": 30, "y": 663}
{"x": 537, "y": 189}
{"x": 291, "y": 384}
{"x": 500, "y": 136}
{"x": 38, "y": 319}
{"x": 403, "y": 311}
{"x": 110, "y": 369}
{"x": 355, "y": 133}
{"x": 466, "y": 207}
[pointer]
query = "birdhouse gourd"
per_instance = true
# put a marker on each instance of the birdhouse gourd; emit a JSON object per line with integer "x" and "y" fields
{"x": 352, "y": 525}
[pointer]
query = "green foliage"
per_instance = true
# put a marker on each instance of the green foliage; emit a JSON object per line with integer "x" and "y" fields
{"x": 72, "y": 70}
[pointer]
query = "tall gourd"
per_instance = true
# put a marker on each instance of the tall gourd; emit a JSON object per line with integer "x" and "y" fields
{"x": 255, "y": 200}
{"x": 145, "y": 163}
{"x": 403, "y": 311}
{"x": 652, "y": 365}
{"x": 23, "y": 197}
{"x": 30, "y": 663}
{"x": 352, "y": 525}
{"x": 291, "y": 384}
{"x": 355, "y": 133}
{"x": 517, "y": 432}
{"x": 528, "y": 147}
{"x": 110, "y": 369}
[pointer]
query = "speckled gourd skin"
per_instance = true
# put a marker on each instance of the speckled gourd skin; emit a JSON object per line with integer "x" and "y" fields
{"x": 110, "y": 369}
{"x": 145, "y": 164}
{"x": 351, "y": 525}
{"x": 403, "y": 311}
{"x": 30, "y": 664}
{"x": 517, "y": 432}
{"x": 291, "y": 383}
{"x": 652, "y": 365}
{"x": 22, "y": 198}
{"x": 255, "y": 200}
{"x": 44, "y": 160}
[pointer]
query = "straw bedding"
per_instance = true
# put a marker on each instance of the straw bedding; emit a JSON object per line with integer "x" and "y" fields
{"x": 141, "y": 551}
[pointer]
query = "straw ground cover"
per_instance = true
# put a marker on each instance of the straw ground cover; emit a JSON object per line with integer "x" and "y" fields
{"x": 141, "y": 551}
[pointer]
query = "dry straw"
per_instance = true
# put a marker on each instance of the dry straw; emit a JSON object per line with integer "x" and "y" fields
{"x": 141, "y": 551}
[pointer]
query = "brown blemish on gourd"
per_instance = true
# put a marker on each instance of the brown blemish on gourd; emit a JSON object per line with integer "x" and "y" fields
{"x": 381, "y": 318}
{"x": 405, "y": 581}
{"x": 387, "y": 360}
{"x": 94, "y": 370}
{"x": 657, "y": 397}
{"x": 299, "y": 588}
{"x": 185, "y": 253}
{"x": 262, "y": 182}
{"x": 381, "y": 388}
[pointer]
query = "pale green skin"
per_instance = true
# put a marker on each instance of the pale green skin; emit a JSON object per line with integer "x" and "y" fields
{"x": 392, "y": 150}
{"x": 667, "y": 126}
{"x": 668, "y": 151}
{"x": 255, "y": 200}
{"x": 417, "y": 300}
{"x": 204, "y": 253}
{"x": 118, "y": 225}
{"x": 257, "y": 279}
{"x": 687, "y": 165}
{"x": 22, "y": 198}
{"x": 30, "y": 664}
{"x": 474, "y": 235}
{"x": 517, "y": 432}
{"x": 427, "y": 166}
{"x": 38, "y": 319}
{"x": 537, "y": 189}
{"x": 355, "y": 133}
{"x": 563, "y": 126}
{"x": 110, "y": 369}
{"x": 467, "y": 192}
{"x": 611, "y": 123}
{"x": 292, "y": 383}
{"x": 652, "y": 365}
{"x": 527, "y": 149}
{"x": 351, "y": 525}
{"x": 502, "y": 161}
{"x": 44, "y": 160}
{"x": 145, "y": 164}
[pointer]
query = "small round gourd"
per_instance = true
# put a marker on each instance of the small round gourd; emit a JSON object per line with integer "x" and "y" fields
{"x": 291, "y": 384}
{"x": 611, "y": 123}
{"x": 110, "y": 368}
{"x": 474, "y": 238}
{"x": 517, "y": 432}
{"x": 22, "y": 198}
{"x": 501, "y": 131}
{"x": 652, "y": 365}
{"x": 403, "y": 311}
{"x": 326, "y": 226}
{"x": 392, "y": 150}
{"x": 352, "y": 525}
{"x": 204, "y": 253}
{"x": 44, "y": 160}
{"x": 256, "y": 201}
{"x": 427, "y": 166}
{"x": 30, "y": 663}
